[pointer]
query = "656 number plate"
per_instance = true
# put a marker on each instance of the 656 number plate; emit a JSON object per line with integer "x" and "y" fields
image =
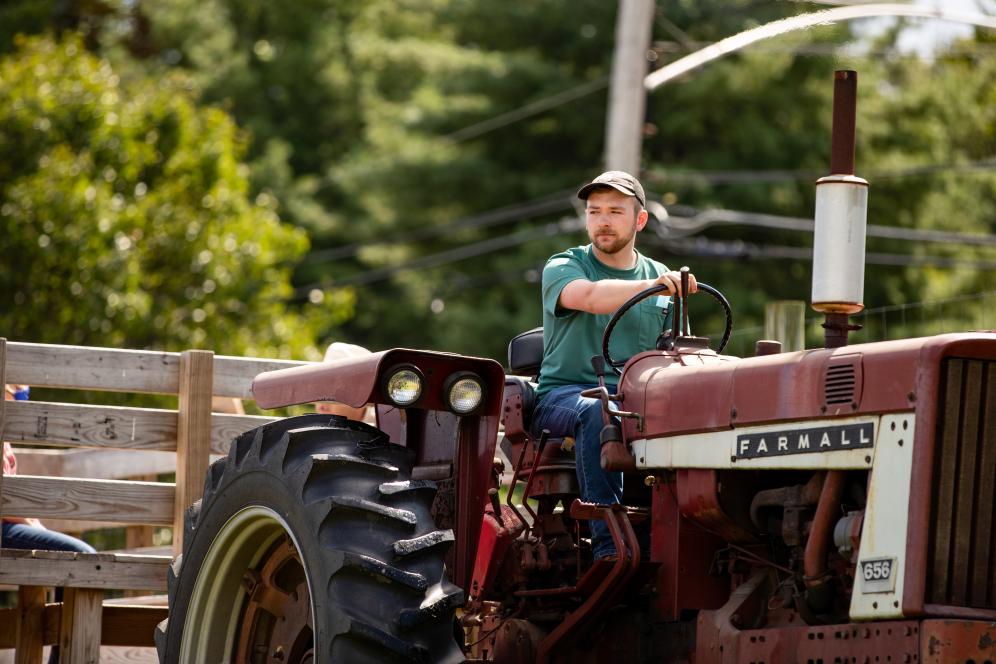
{"x": 878, "y": 575}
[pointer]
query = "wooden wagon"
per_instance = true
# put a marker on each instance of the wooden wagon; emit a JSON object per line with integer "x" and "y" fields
{"x": 82, "y": 485}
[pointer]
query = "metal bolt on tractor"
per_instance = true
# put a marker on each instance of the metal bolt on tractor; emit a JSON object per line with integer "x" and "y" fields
{"x": 834, "y": 504}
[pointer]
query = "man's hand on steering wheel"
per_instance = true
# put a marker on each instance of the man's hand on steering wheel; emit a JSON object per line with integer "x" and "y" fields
{"x": 672, "y": 280}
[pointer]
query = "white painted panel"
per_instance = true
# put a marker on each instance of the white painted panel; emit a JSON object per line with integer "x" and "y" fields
{"x": 718, "y": 449}
{"x": 883, "y": 533}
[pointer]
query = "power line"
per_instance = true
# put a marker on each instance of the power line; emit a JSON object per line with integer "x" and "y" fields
{"x": 814, "y": 321}
{"x": 696, "y": 222}
{"x": 461, "y": 253}
{"x": 561, "y": 200}
{"x": 530, "y": 109}
{"x": 739, "y": 250}
{"x": 545, "y": 204}
{"x": 744, "y": 176}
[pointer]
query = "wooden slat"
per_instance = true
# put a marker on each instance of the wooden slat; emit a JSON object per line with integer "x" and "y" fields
{"x": 77, "y": 425}
{"x": 128, "y": 655}
{"x": 131, "y": 625}
{"x": 123, "y": 625}
{"x": 233, "y": 375}
{"x": 139, "y": 536}
{"x": 117, "y": 501}
{"x": 123, "y": 370}
{"x": 91, "y": 368}
{"x": 193, "y": 440}
{"x": 94, "y": 464}
{"x": 114, "y": 427}
{"x": 79, "y": 633}
{"x": 225, "y": 427}
{"x": 30, "y": 623}
{"x": 84, "y": 570}
{"x": 76, "y": 527}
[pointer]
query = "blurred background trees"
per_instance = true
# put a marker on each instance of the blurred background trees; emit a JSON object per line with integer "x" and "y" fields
{"x": 396, "y": 173}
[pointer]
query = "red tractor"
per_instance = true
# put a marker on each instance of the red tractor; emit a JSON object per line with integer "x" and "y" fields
{"x": 824, "y": 505}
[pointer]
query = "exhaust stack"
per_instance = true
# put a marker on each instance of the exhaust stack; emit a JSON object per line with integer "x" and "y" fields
{"x": 841, "y": 218}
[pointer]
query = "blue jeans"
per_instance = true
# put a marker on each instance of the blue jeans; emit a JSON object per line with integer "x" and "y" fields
{"x": 23, "y": 536}
{"x": 565, "y": 412}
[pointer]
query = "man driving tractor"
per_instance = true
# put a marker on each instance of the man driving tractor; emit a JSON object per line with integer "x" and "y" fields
{"x": 582, "y": 287}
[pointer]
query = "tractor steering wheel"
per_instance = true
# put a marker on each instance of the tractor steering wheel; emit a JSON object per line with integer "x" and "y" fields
{"x": 654, "y": 290}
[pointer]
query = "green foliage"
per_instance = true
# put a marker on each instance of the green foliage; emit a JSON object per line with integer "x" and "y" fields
{"x": 363, "y": 127}
{"x": 126, "y": 217}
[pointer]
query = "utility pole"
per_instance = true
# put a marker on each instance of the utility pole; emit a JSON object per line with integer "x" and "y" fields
{"x": 627, "y": 95}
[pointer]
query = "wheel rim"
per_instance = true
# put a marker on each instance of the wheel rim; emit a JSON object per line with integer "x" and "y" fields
{"x": 242, "y": 580}
{"x": 276, "y": 624}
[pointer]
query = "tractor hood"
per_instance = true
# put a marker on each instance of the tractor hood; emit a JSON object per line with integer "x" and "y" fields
{"x": 701, "y": 391}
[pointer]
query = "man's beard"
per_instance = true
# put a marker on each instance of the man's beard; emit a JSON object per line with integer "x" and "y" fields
{"x": 611, "y": 244}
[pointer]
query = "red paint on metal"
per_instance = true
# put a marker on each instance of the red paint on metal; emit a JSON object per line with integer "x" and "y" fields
{"x": 961, "y": 612}
{"x": 493, "y": 544}
{"x": 698, "y": 499}
{"x": 427, "y": 427}
{"x": 350, "y": 380}
{"x": 686, "y": 553}
{"x": 654, "y": 385}
{"x": 724, "y": 393}
{"x": 924, "y": 396}
{"x": 728, "y": 635}
{"x": 357, "y": 381}
{"x": 475, "y": 452}
{"x": 609, "y": 589}
{"x": 943, "y": 641}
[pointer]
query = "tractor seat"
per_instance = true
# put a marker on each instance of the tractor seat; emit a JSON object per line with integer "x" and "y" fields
{"x": 555, "y": 475}
{"x": 525, "y": 355}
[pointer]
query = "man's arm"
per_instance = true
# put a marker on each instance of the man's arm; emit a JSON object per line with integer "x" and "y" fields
{"x": 607, "y": 295}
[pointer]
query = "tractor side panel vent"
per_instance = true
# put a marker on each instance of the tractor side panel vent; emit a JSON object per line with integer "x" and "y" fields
{"x": 961, "y": 561}
{"x": 842, "y": 381}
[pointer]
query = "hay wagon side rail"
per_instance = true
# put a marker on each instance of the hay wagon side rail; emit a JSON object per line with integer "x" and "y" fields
{"x": 81, "y": 487}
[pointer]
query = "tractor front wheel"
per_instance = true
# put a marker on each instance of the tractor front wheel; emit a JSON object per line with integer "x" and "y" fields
{"x": 312, "y": 544}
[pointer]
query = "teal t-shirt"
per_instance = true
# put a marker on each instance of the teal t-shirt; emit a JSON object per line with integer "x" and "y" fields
{"x": 571, "y": 338}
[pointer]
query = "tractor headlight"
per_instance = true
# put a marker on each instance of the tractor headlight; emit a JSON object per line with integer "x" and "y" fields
{"x": 404, "y": 386}
{"x": 464, "y": 392}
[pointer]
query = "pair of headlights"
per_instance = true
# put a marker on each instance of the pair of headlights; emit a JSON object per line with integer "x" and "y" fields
{"x": 463, "y": 391}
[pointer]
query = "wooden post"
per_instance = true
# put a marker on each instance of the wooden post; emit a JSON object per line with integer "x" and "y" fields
{"x": 3, "y": 381}
{"x": 30, "y": 624}
{"x": 79, "y": 632}
{"x": 30, "y": 599}
{"x": 785, "y": 321}
{"x": 193, "y": 434}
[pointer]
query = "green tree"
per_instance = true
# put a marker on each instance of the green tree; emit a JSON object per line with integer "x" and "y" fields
{"x": 386, "y": 129}
{"x": 126, "y": 219}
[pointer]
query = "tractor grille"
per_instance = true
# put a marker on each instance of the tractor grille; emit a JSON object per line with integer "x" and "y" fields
{"x": 961, "y": 567}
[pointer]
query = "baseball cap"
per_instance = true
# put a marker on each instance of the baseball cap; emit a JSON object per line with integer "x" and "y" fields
{"x": 620, "y": 181}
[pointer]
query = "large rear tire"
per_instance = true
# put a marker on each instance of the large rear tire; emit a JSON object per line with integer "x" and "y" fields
{"x": 319, "y": 506}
